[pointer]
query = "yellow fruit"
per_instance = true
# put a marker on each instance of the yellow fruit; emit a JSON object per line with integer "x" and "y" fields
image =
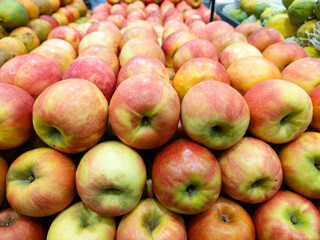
{"x": 27, "y": 36}
{"x": 248, "y": 6}
{"x": 312, "y": 51}
{"x": 269, "y": 12}
{"x": 282, "y": 23}
{"x": 13, "y": 46}
{"x": 306, "y": 27}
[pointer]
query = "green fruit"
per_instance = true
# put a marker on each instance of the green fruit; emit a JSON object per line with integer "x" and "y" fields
{"x": 235, "y": 12}
{"x": 287, "y": 3}
{"x": 12, "y": 14}
{"x": 81, "y": 20}
{"x": 312, "y": 51}
{"x": 241, "y": 16}
{"x": 306, "y": 27}
{"x": 270, "y": 12}
{"x": 45, "y": 7}
{"x": 259, "y": 9}
{"x": 3, "y": 32}
{"x": 300, "y": 10}
{"x": 317, "y": 9}
{"x": 4, "y": 57}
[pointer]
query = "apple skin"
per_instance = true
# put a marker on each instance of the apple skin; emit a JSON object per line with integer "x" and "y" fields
{"x": 60, "y": 43}
{"x": 236, "y": 51}
{"x": 142, "y": 64}
{"x": 196, "y": 48}
{"x": 3, "y": 174}
{"x": 69, "y": 34}
{"x": 137, "y": 23}
{"x": 106, "y": 26}
{"x": 247, "y": 28}
{"x": 197, "y": 70}
{"x": 206, "y": 115}
{"x": 24, "y": 72}
{"x": 196, "y": 27}
{"x": 284, "y": 53}
{"x": 275, "y": 115}
{"x": 274, "y": 218}
{"x": 225, "y": 39}
{"x": 300, "y": 164}
{"x": 32, "y": 177}
{"x": 173, "y": 27}
{"x": 225, "y": 219}
{"x": 151, "y": 220}
{"x": 54, "y": 23}
{"x": 117, "y": 20}
{"x": 137, "y": 32}
{"x": 82, "y": 224}
{"x": 315, "y": 98}
{"x": 304, "y": 72}
{"x": 140, "y": 46}
{"x": 264, "y": 37}
{"x": 14, "y": 225}
{"x": 111, "y": 178}
{"x": 16, "y": 116}
{"x": 186, "y": 177}
{"x": 144, "y": 111}
{"x": 95, "y": 70}
{"x": 251, "y": 171}
{"x": 70, "y": 122}
{"x": 215, "y": 28}
{"x": 248, "y": 71}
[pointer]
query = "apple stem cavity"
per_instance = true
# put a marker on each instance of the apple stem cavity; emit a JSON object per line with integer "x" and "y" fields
{"x": 7, "y": 222}
{"x": 145, "y": 121}
{"x": 112, "y": 191}
{"x": 294, "y": 220}
{"x": 190, "y": 189}
{"x": 31, "y": 178}
{"x": 151, "y": 224}
{"x": 216, "y": 131}
{"x": 224, "y": 218}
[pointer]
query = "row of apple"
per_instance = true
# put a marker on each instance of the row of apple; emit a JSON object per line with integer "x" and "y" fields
{"x": 144, "y": 111}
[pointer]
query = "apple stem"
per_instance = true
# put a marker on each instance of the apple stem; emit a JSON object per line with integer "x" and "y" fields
{"x": 31, "y": 178}
{"x": 294, "y": 220}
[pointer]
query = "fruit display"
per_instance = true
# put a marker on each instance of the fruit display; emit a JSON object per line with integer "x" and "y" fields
{"x": 145, "y": 120}
{"x": 298, "y": 20}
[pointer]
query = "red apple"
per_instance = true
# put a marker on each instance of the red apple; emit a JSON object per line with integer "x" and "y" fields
{"x": 32, "y": 177}
{"x": 225, "y": 39}
{"x": 117, "y": 20}
{"x": 54, "y": 23}
{"x": 287, "y": 216}
{"x": 275, "y": 115}
{"x": 151, "y": 220}
{"x": 213, "y": 29}
{"x": 16, "y": 116}
{"x": 225, "y": 219}
{"x": 137, "y": 32}
{"x": 56, "y": 42}
{"x": 251, "y": 171}
{"x": 95, "y": 70}
{"x": 69, "y": 34}
{"x": 24, "y": 72}
{"x": 106, "y": 26}
{"x": 144, "y": 111}
{"x": 66, "y": 119}
{"x": 315, "y": 98}
{"x": 214, "y": 114}
{"x": 247, "y": 28}
{"x": 14, "y": 225}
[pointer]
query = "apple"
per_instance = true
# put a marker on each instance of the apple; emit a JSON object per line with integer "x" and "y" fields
{"x": 101, "y": 38}
{"x": 142, "y": 64}
{"x": 117, "y": 20}
{"x": 301, "y": 165}
{"x": 140, "y": 46}
{"x": 171, "y": 44}
{"x": 192, "y": 18}
{"x": 137, "y": 32}
{"x": 165, "y": 5}
{"x": 151, "y": 220}
{"x": 105, "y": 54}
{"x": 284, "y": 53}
{"x": 69, "y": 34}
{"x": 225, "y": 219}
{"x": 215, "y": 28}
{"x": 144, "y": 111}
{"x": 183, "y": 6}
{"x": 14, "y": 225}
{"x": 80, "y": 5}
{"x": 57, "y": 42}
{"x": 196, "y": 27}
{"x": 24, "y": 72}
{"x": 315, "y": 98}
{"x": 275, "y": 115}
{"x": 61, "y": 19}
{"x": 137, "y": 23}
{"x": 3, "y": 174}
{"x": 54, "y": 23}
{"x": 197, "y": 70}
{"x": 66, "y": 119}
{"x": 104, "y": 7}
{"x": 16, "y": 116}
{"x": 41, "y": 182}
{"x": 41, "y": 27}
{"x": 225, "y": 39}
{"x": 95, "y": 70}
{"x": 248, "y": 28}
{"x": 236, "y": 51}
{"x": 214, "y": 114}
{"x": 66, "y": 12}
{"x": 304, "y": 72}
{"x": 173, "y": 27}
{"x": 287, "y": 216}
{"x": 137, "y": 14}
{"x": 264, "y": 37}
{"x": 251, "y": 171}
{"x": 82, "y": 224}
{"x": 111, "y": 178}
{"x": 197, "y": 48}
{"x": 151, "y": 7}
{"x": 106, "y": 26}
{"x": 248, "y": 71}
{"x": 194, "y": 3}
{"x": 186, "y": 177}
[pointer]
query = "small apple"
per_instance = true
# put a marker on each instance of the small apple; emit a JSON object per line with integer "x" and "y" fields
{"x": 137, "y": 32}
{"x": 83, "y": 224}
{"x": 264, "y": 37}
{"x": 247, "y": 28}
{"x": 106, "y": 26}
{"x": 215, "y": 28}
{"x": 69, "y": 34}
{"x": 111, "y": 178}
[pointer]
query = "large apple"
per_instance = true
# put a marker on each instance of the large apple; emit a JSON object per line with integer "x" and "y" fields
{"x": 83, "y": 224}
{"x": 287, "y": 216}
{"x": 247, "y": 28}
{"x": 300, "y": 164}
{"x": 24, "y": 72}
{"x": 251, "y": 171}
{"x": 14, "y": 225}
{"x": 214, "y": 29}
{"x": 3, "y": 174}
{"x": 16, "y": 116}
{"x": 71, "y": 116}
{"x": 315, "y": 98}
{"x": 144, "y": 111}
{"x": 264, "y": 37}
{"x": 214, "y": 114}
{"x": 279, "y": 110}
{"x": 110, "y": 178}
{"x": 151, "y": 220}
{"x": 186, "y": 177}
{"x": 225, "y": 219}
{"x": 41, "y": 182}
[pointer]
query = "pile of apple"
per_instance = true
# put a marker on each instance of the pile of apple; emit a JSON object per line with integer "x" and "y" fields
{"x": 154, "y": 123}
